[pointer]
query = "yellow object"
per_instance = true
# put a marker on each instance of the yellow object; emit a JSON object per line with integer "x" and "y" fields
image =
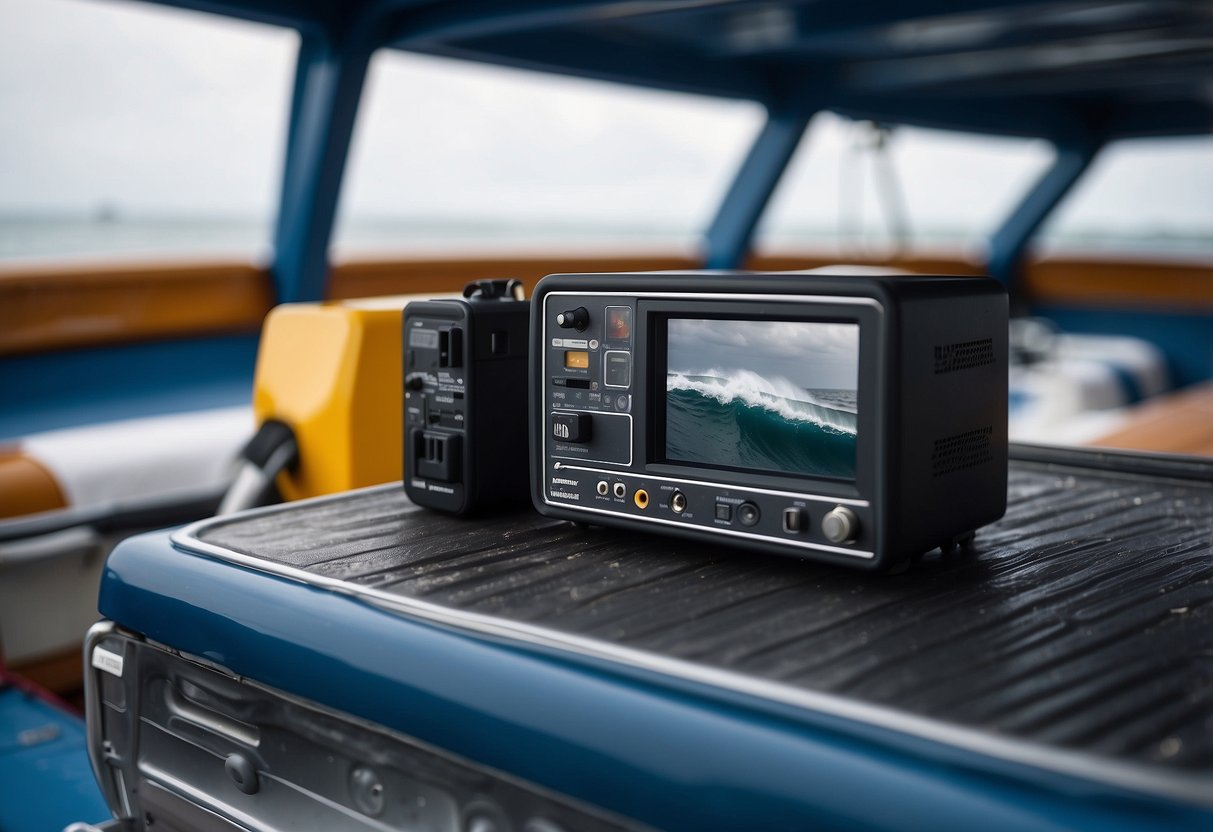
{"x": 332, "y": 371}
{"x": 577, "y": 359}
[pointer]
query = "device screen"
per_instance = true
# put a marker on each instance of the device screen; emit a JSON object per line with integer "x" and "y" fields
{"x": 775, "y": 396}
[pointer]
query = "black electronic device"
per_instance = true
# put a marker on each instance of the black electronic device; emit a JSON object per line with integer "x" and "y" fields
{"x": 857, "y": 419}
{"x": 465, "y": 410}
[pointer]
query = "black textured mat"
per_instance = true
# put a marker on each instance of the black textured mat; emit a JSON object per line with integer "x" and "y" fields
{"x": 1081, "y": 620}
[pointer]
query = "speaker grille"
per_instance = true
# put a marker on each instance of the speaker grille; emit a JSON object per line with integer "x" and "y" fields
{"x": 964, "y": 450}
{"x": 963, "y": 356}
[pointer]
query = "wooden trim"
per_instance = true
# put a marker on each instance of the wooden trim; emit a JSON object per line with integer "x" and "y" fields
{"x": 915, "y": 263}
{"x": 44, "y": 308}
{"x": 26, "y": 487}
{"x": 438, "y": 274}
{"x": 1126, "y": 284}
{"x": 1179, "y": 423}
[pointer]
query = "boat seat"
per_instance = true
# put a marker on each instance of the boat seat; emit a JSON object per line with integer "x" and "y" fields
{"x": 67, "y": 496}
{"x": 1081, "y": 387}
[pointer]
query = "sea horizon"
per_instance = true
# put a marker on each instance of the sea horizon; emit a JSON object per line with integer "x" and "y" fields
{"x": 45, "y": 235}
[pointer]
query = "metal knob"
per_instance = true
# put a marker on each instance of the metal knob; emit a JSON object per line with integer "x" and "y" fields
{"x": 578, "y": 319}
{"x": 840, "y": 525}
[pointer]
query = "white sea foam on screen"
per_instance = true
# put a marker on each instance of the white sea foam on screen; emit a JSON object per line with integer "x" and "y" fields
{"x": 775, "y": 394}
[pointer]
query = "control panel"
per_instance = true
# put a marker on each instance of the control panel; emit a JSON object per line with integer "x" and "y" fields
{"x": 465, "y": 405}
{"x": 857, "y": 419}
{"x": 589, "y": 394}
{"x": 811, "y": 522}
{"x": 594, "y": 435}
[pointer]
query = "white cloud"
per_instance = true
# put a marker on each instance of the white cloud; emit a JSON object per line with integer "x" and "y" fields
{"x": 163, "y": 111}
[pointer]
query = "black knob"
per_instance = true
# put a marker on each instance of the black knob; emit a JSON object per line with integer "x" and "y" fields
{"x": 242, "y": 771}
{"x": 578, "y": 319}
{"x": 748, "y": 514}
{"x": 414, "y": 381}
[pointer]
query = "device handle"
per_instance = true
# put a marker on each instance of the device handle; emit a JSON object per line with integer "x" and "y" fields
{"x": 503, "y": 288}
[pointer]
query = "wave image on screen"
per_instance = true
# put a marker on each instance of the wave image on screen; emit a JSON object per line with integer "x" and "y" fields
{"x": 767, "y": 395}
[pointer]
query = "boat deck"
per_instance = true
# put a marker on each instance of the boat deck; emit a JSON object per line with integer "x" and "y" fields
{"x": 1079, "y": 627}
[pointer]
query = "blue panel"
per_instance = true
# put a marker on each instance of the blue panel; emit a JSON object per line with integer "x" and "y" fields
{"x": 79, "y": 387}
{"x": 46, "y": 781}
{"x": 672, "y": 754}
{"x": 1187, "y": 340}
{"x": 969, "y": 65}
{"x": 669, "y": 68}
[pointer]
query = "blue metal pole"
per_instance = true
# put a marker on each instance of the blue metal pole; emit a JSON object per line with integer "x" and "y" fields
{"x": 328, "y": 85}
{"x": 309, "y": 42}
{"x": 1007, "y": 245}
{"x": 728, "y": 238}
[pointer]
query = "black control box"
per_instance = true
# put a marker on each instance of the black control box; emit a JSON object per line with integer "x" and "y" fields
{"x": 856, "y": 419}
{"x": 465, "y": 406}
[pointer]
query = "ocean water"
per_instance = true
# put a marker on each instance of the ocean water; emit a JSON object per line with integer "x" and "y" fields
{"x": 744, "y": 420}
{"x": 55, "y": 237}
{"x": 80, "y": 238}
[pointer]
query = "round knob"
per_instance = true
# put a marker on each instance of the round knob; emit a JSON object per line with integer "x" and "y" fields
{"x": 483, "y": 815}
{"x": 840, "y": 525}
{"x": 578, "y": 318}
{"x": 414, "y": 381}
{"x": 242, "y": 772}
{"x": 367, "y": 791}
{"x": 748, "y": 514}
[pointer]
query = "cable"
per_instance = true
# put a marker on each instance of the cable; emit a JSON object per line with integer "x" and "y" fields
{"x": 272, "y": 450}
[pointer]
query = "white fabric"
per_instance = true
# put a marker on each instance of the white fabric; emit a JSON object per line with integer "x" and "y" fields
{"x": 158, "y": 456}
{"x": 1142, "y": 360}
{"x": 1077, "y": 394}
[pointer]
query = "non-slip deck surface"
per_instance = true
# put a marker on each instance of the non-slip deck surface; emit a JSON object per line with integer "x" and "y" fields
{"x": 1083, "y": 619}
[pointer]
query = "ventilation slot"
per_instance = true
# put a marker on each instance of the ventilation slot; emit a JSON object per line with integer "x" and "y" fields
{"x": 963, "y": 356}
{"x": 964, "y": 450}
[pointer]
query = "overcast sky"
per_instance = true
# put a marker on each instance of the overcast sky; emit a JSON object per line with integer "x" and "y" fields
{"x": 810, "y": 355}
{"x": 159, "y": 111}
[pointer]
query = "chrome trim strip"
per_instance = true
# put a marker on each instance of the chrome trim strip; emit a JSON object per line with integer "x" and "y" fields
{"x": 1129, "y": 776}
{"x": 115, "y": 798}
{"x": 714, "y": 295}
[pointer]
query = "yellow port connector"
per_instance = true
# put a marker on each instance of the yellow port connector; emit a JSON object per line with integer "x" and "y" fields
{"x": 641, "y": 498}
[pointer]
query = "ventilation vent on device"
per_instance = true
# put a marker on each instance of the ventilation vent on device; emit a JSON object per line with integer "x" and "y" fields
{"x": 963, "y": 356}
{"x": 964, "y": 450}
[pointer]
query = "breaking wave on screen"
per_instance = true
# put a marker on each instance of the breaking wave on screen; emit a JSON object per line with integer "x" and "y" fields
{"x": 775, "y": 394}
{"x": 744, "y": 420}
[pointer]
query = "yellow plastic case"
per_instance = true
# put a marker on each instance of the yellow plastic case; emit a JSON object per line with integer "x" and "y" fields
{"x": 332, "y": 371}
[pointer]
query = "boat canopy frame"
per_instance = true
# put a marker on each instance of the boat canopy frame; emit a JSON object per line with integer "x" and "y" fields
{"x": 1077, "y": 73}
